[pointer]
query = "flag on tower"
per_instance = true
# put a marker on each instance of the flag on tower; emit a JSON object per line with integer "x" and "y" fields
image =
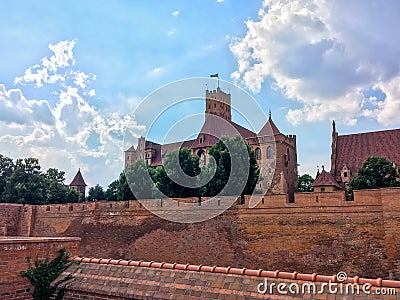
{"x": 214, "y": 75}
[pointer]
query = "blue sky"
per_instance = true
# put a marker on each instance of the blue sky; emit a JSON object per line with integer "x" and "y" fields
{"x": 72, "y": 72}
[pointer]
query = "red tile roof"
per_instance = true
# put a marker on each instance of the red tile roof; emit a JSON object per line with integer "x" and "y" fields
{"x": 78, "y": 180}
{"x": 268, "y": 128}
{"x": 326, "y": 179}
{"x": 354, "y": 149}
{"x": 101, "y": 276}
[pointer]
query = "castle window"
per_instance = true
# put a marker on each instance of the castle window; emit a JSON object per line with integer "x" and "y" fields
{"x": 269, "y": 152}
{"x": 288, "y": 154}
{"x": 345, "y": 174}
{"x": 322, "y": 189}
{"x": 258, "y": 154}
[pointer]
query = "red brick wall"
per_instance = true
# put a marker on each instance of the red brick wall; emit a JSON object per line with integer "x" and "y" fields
{"x": 9, "y": 218}
{"x": 13, "y": 253}
{"x": 327, "y": 236}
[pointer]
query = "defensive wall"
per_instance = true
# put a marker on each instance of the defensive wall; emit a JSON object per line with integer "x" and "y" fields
{"x": 320, "y": 232}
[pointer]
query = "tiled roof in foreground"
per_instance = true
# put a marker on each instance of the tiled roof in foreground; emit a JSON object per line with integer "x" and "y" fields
{"x": 123, "y": 279}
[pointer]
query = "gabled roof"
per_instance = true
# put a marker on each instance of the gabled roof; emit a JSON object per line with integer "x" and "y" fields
{"x": 162, "y": 150}
{"x": 78, "y": 180}
{"x": 326, "y": 179}
{"x": 215, "y": 127}
{"x": 269, "y": 128}
{"x": 354, "y": 149}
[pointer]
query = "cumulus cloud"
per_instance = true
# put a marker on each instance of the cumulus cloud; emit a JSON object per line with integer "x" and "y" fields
{"x": 175, "y": 13}
{"x": 69, "y": 134}
{"x": 325, "y": 55}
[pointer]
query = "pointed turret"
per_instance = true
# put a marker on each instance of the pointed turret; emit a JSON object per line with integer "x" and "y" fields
{"x": 269, "y": 127}
{"x": 79, "y": 184}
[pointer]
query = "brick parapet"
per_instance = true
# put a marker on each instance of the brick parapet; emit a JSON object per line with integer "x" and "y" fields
{"x": 13, "y": 260}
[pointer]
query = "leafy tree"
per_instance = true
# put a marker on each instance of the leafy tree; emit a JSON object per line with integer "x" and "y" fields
{"x": 57, "y": 191}
{"x": 112, "y": 191}
{"x": 376, "y": 172}
{"x": 96, "y": 193}
{"x": 26, "y": 184}
{"x": 43, "y": 273}
{"x": 23, "y": 182}
{"x": 166, "y": 177}
{"x": 223, "y": 173}
{"x": 56, "y": 175}
{"x": 124, "y": 191}
{"x": 305, "y": 183}
{"x": 6, "y": 169}
{"x": 139, "y": 176}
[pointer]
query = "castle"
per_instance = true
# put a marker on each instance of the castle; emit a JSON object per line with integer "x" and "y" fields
{"x": 349, "y": 153}
{"x": 276, "y": 153}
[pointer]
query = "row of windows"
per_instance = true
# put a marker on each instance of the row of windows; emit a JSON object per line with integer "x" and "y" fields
{"x": 269, "y": 153}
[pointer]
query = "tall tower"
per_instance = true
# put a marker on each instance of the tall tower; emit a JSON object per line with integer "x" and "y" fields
{"x": 218, "y": 103}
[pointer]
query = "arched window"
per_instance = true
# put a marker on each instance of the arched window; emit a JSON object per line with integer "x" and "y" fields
{"x": 269, "y": 152}
{"x": 258, "y": 154}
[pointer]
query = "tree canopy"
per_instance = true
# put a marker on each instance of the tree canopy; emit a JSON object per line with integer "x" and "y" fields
{"x": 181, "y": 175}
{"x": 96, "y": 193}
{"x": 305, "y": 183}
{"x": 376, "y": 172}
{"x": 244, "y": 159}
{"x": 23, "y": 182}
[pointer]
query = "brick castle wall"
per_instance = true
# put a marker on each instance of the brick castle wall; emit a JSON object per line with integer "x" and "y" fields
{"x": 13, "y": 254}
{"x": 324, "y": 236}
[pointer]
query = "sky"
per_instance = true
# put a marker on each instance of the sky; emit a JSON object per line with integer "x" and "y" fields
{"x": 73, "y": 72}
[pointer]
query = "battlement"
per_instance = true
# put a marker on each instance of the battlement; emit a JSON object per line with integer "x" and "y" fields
{"x": 373, "y": 197}
{"x": 275, "y": 233}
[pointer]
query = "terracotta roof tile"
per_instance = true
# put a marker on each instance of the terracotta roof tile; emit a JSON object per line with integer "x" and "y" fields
{"x": 326, "y": 179}
{"x": 78, "y": 180}
{"x": 354, "y": 149}
{"x": 196, "y": 272}
{"x": 268, "y": 128}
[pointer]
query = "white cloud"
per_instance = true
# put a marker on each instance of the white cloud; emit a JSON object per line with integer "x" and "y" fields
{"x": 69, "y": 134}
{"x": 171, "y": 32}
{"x": 175, "y": 13}
{"x": 325, "y": 55}
{"x": 220, "y": 1}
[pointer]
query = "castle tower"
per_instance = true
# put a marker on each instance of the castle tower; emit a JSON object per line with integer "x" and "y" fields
{"x": 218, "y": 103}
{"x": 78, "y": 184}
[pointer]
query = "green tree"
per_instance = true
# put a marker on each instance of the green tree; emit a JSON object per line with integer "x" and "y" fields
{"x": 139, "y": 175}
{"x": 124, "y": 191}
{"x": 26, "y": 183}
{"x": 177, "y": 165}
{"x": 43, "y": 273}
{"x": 57, "y": 191}
{"x": 6, "y": 169}
{"x": 96, "y": 193}
{"x": 376, "y": 172}
{"x": 305, "y": 183}
{"x": 224, "y": 172}
{"x": 111, "y": 193}
{"x": 56, "y": 175}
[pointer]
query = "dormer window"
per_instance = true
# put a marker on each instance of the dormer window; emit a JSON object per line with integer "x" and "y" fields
{"x": 345, "y": 174}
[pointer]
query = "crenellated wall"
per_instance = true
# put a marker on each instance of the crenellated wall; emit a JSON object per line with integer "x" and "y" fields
{"x": 324, "y": 236}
